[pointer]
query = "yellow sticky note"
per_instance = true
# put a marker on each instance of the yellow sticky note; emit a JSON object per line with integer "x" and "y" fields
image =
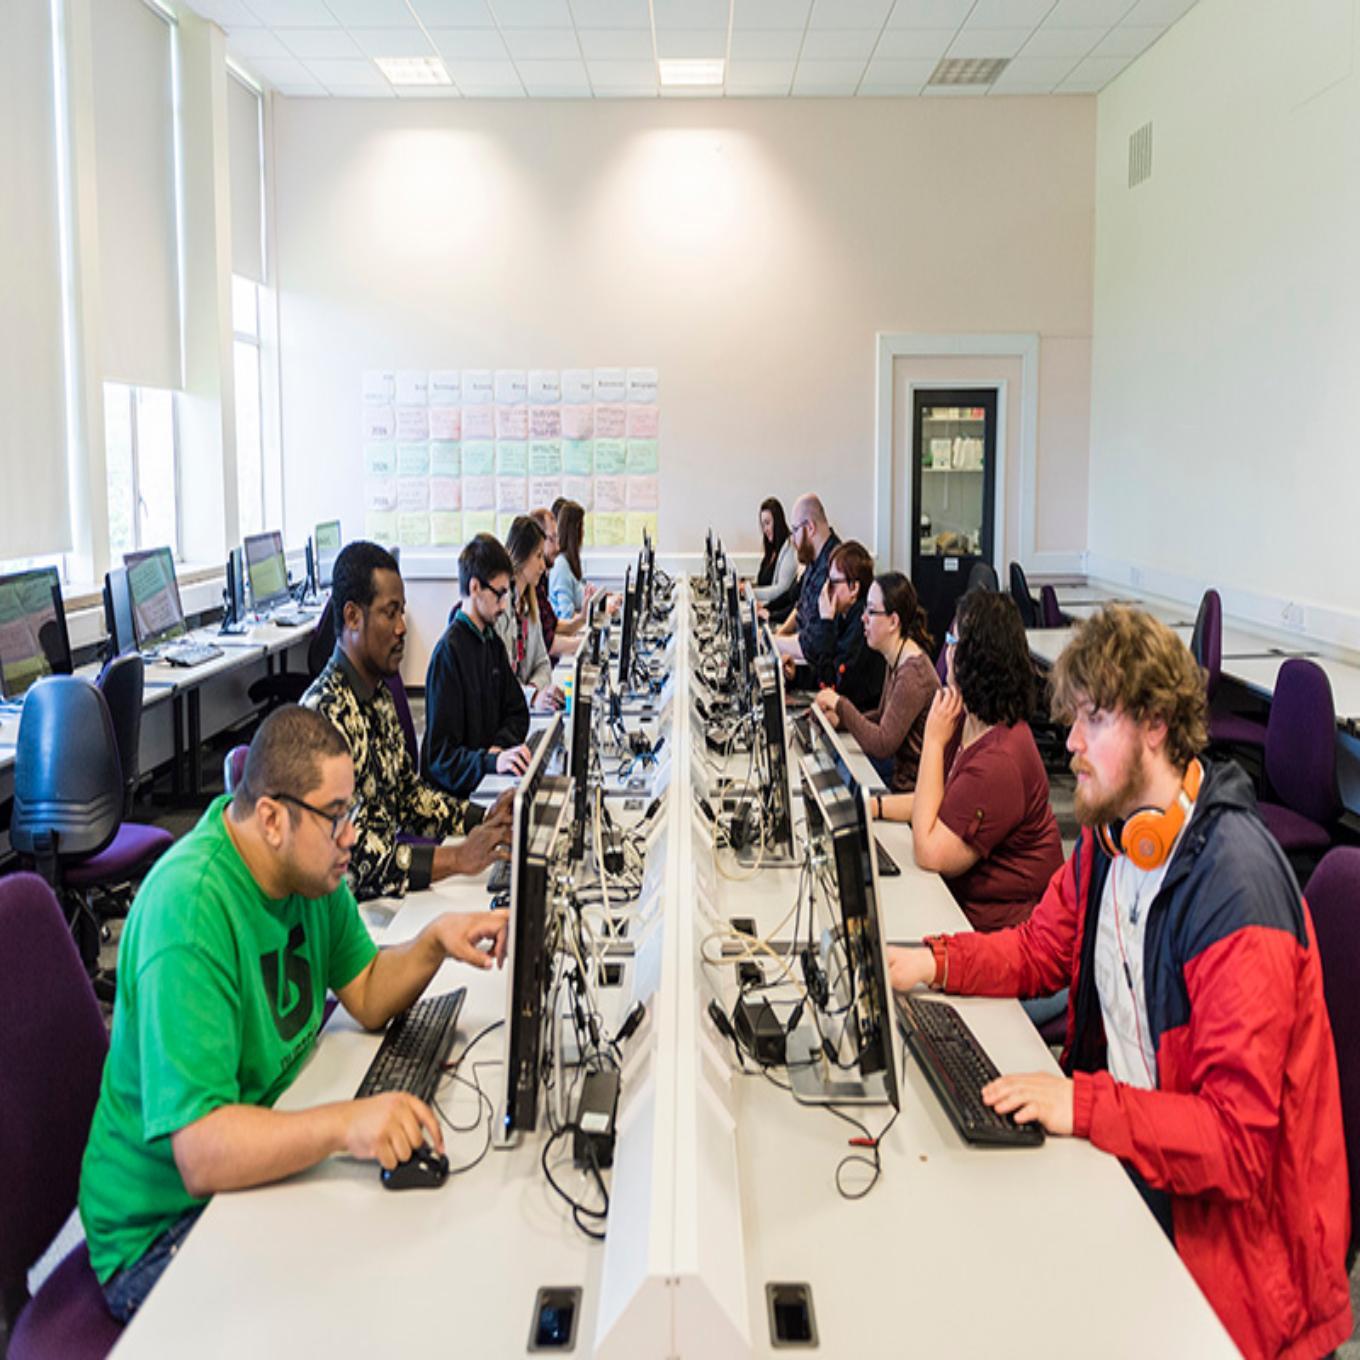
{"x": 446, "y": 528}
{"x": 611, "y": 529}
{"x": 637, "y": 522}
{"x": 381, "y": 527}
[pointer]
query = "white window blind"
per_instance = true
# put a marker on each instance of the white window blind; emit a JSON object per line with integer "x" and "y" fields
{"x": 135, "y": 173}
{"x": 243, "y": 143}
{"x": 33, "y": 515}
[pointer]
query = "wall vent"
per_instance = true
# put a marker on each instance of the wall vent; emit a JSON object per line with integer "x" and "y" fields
{"x": 1140, "y": 155}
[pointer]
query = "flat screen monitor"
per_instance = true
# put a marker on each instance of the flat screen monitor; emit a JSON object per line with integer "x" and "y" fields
{"x": 626, "y": 635}
{"x": 157, "y": 615}
{"x": 33, "y": 638}
{"x": 266, "y": 571}
{"x": 327, "y": 543}
{"x": 532, "y": 938}
{"x": 584, "y": 681}
{"x": 773, "y": 746}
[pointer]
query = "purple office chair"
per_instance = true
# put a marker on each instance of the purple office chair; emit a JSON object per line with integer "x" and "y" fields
{"x": 408, "y": 725}
{"x": 1049, "y": 613}
{"x": 1334, "y": 902}
{"x": 1301, "y": 759}
{"x": 1206, "y": 646}
{"x": 1020, "y": 593}
{"x": 234, "y": 767}
{"x": 52, "y": 1047}
{"x": 68, "y": 806}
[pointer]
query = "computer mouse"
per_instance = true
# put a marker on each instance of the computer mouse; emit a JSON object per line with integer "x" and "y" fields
{"x": 425, "y": 1169}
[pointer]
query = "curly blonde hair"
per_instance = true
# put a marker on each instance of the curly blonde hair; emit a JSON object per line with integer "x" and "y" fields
{"x": 1123, "y": 659}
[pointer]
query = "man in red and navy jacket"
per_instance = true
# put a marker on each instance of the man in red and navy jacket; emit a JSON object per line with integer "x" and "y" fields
{"x": 1198, "y": 1048}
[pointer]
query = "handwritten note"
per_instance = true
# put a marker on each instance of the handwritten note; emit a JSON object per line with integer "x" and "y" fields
{"x": 413, "y": 494}
{"x": 446, "y": 387}
{"x": 642, "y": 422}
{"x": 380, "y": 493}
{"x": 379, "y": 422}
{"x": 446, "y": 422}
{"x": 512, "y": 457}
{"x": 642, "y": 455}
{"x": 380, "y": 460}
{"x": 611, "y": 422}
{"x": 504, "y": 520}
{"x": 641, "y": 493}
{"x": 446, "y": 459}
{"x": 413, "y": 530}
{"x": 543, "y": 491}
{"x": 512, "y": 495}
{"x": 479, "y": 493}
{"x": 479, "y": 422}
{"x": 609, "y": 493}
{"x": 579, "y": 489}
{"x": 380, "y": 386}
{"x": 578, "y": 386}
{"x": 578, "y": 422}
{"x": 512, "y": 387}
{"x": 611, "y": 384}
{"x": 446, "y": 528}
{"x": 637, "y": 523}
{"x": 413, "y": 460}
{"x": 479, "y": 387}
{"x": 413, "y": 387}
{"x": 479, "y": 522}
{"x": 611, "y": 457}
{"x": 544, "y": 385}
{"x": 446, "y": 493}
{"x": 512, "y": 422}
{"x": 611, "y": 530}
{"x": 545, "y": 457}
{"x": 381, "y": 526}
{"x": 413, "y": 422}
{"x": 545, "y": 422}
{"x": 578, "y": 457}
{"x": 642, "y": 385}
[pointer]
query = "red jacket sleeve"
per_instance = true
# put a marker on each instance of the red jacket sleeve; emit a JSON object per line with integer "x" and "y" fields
{"x": 1219, "y": 1135}
{"x": 1033, "y": 959}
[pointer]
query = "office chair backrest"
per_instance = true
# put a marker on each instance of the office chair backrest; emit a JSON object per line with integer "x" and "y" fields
{"x": 68, "y": 783}
{"x": 408, "y": 725}
{"x": 1052, "y": 615}
{"x": 121, "y": 682}
{"x": 52, "y": 1046}
{"x": 1301, "y": 742}
{"x": 1334, "y": 903}
{"x": 1206, "y": 640}
{"x": 983, "y": 577}
{"x": 322, "y": 642}
{"x": 1029, "y": 609}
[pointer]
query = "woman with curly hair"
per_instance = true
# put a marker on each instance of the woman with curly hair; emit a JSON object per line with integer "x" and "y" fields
{"x": 987, "y": 828}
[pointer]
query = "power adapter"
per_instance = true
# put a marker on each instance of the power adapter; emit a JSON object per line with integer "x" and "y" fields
{"x": 592, "y": 1141}
{"x": 759, "y": 1031}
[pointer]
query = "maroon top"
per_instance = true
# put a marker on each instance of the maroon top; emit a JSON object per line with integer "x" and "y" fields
{"x": 996, "y": 800}
{"x": 547, "y": 615}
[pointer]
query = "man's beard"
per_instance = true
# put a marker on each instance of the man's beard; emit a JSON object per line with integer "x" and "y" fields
{"x": 1117, "y": 804}
{"x": 807, "y": 551}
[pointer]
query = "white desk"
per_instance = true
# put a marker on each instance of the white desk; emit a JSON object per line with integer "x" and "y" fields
{"x": 1258, "y": 674}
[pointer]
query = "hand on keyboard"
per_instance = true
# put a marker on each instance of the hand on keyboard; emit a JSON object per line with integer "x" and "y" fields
{"x": 514, "y": 761}
{"x": 388, "y": 1128}
{"x": 1034, "y": 1096}
{"x": 484, "y": 845}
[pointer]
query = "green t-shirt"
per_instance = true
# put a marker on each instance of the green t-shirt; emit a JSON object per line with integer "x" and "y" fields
{"x": 220, "y": 996}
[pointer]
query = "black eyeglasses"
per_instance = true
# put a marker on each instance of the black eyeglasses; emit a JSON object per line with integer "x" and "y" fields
{"x": 338, "y": 820}
{"x": 499, "y": 594}
{"x": 876, "y": 613}
{"x": 836, "y": 580}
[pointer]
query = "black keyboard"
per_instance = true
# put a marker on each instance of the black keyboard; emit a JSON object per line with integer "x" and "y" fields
{"x": 415, "y": 1048}
{"x": 888, "y": 867}
{"x": 189, "y": 653}
{"x": 957, "y": 1067}
{"x": 499, "y": 881}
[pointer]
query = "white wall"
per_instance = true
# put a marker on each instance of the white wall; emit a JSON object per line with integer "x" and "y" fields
{"x": 1225, "y": 405}
{"x": 749, "y": 250}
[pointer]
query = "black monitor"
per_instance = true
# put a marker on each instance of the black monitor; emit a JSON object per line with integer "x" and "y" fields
{"x": 626, "y": 634}
{"x": 772, "y": 745}
{"x": 326, "y": 543}
{"x": 532, "y": 939}
{"x": 118, "y": 613}
{"x": 234, "y": 596}
{"x": 584, "y": 681}
{"x": 157, "y": 615}
{"x": 863, "y": 1030}
{"x": 33, "y": 637}
{"x": 267, "y": 571}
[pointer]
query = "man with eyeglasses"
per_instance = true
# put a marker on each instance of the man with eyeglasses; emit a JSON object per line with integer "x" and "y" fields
{"x": 814, "y": 540}
{"x": 476, "y": 718}
{"x": 368, "y": 601}
{"x": 232, "y": 944}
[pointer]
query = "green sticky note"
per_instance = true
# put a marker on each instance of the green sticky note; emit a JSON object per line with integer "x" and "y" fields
{"x": 578, "y": 457}
{"x": 512, "y": 458}
{"x": 478, "y": 522}
{"x": 380, "y": 460}
{"x": 479, "y": 458}
{"x": 380, "y": 526}
{"x": 446, "y": 528}
{"x": 641, "y": 455}
{"x": 413, "y": 460}
{"x": 545, "y": 457}
{"x": 413, "y": 529}
{"x": 503, "y": 523}
{"x": 611, "y": 457}
{"x": 446, "y": 458}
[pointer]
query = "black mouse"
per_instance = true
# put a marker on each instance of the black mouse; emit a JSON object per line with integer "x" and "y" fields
{"x": 423, "y": 1170}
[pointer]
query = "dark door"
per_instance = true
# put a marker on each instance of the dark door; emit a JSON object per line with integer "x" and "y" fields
{"x": 954, "y": 494}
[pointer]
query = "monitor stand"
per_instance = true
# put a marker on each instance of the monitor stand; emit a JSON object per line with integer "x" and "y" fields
{"x": 815, "y": 1082}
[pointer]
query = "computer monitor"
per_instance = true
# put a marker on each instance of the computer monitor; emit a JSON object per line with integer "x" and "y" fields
{"x": 772, "y": 745}
{"x": 118, "y": 613}
{"x": 234, "y": 595}
{"x": 267, "y": 571}
{"x": 157, "y": 615}
{"x": 585, "y": 678}
{"x": 863, "y": 1030}
{"x": 626, "y": 634}
{"x": 326, "y": 543}
{"x": 33, "y": 637}
{"x": 541, "y": 804}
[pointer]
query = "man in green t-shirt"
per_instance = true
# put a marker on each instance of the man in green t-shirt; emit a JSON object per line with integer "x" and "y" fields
{"x": 234, "y": 940}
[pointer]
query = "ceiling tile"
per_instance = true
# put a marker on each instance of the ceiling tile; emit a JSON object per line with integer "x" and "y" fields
{"x": 393, "y": 42}
{"x": 988, "y": 42}
{"x": 616, "y": 78}
{"x": 900, "y": 44}
{"x": 531, "y": 13}
{"x": 769, "y": 44}
{"x": 1008, "y": 13}
{"x": 454, "y": 13}
{"x": 256, "y": 42}
{"x": 293, "y": 13}
{"x": 1158, "y": 12}
{"x": 896, "y": 77}
{"x": 611, "y": 14}
{"x": 308, "y": 43}
{"x": 1086, "y": 13}
{"x": 827, "y": 77}
{"x": 542, "y": 44}
{"x": 1061, "y": 42}
{"x": 554, "y": 79}
{"x": 849, "y": 13}
{"x": 1045, "y": 72}
{"x": 690, "y": 13}
{"x": 616, "y": 44}
{"x": 425, "y": 92}
{"x": 228, "y": 14}
{"x": 285, "y": 72}
{"x": 347, "y": 73}
{"x": 372, "y": 13}
{"x": 759, "y": 77}
{"x": 1128, "y": 41}
{"x": 929, "y": 13}
{"x": 469, "y": 44}
{"x": 361, "y": 91}
{"x": 483, "y": 75}
{"x": 788, "y": 14}
{"x": 838, "y": 44}
{"x": 680, "y": 42}
{"x": 1094, "y": 73}
{"x": 1018, "y": 90}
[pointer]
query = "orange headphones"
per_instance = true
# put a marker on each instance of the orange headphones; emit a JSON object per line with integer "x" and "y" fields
{"x": 1147, "y": 836}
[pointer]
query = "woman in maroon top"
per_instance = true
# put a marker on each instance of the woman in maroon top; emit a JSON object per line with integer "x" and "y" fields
{"x": 891, "y": 733}
{"x": 987, "y": 829}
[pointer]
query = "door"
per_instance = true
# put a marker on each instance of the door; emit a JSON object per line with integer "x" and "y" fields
{"x": 953, "y": 488}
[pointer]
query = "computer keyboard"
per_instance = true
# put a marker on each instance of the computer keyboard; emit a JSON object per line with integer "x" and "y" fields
{"x": 958, "y": 1067}
{"x": 284, "y": 618}
{"x": 499, "y": 880}
{"x": 415, "y": 1048}
{"x": 888, "y": 867}
{"x": 189, "y": 653}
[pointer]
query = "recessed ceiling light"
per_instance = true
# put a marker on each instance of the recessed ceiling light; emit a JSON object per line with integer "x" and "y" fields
{"x": 413, "y": 70}
{"x": 968, "y": 70}
{"x": 691, "y": 71}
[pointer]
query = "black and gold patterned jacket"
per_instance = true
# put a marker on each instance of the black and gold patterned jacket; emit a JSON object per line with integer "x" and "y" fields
{"x": 395, "y": 797}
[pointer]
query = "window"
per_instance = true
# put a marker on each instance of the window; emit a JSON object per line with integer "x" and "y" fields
{"x": 245, "y": 300}
{"x": 140, "y": 453}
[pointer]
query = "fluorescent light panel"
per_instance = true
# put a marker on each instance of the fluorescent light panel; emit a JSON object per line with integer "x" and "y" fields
{"x": 691, "y": 71}
{"x": 413, "y": 70}
{"x": 968, "y": 70}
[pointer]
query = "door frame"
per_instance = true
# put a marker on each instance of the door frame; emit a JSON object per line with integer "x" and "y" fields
{"x": 1017, "y": 345}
